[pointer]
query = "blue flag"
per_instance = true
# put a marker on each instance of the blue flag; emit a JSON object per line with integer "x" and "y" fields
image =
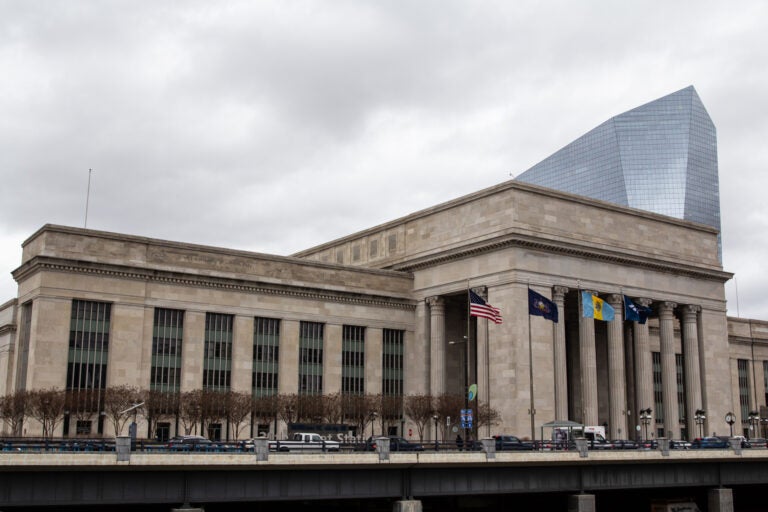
{"x": 595, "y": 307}
{"x": 539, "y": 305}
{"x": 634, "y": 312}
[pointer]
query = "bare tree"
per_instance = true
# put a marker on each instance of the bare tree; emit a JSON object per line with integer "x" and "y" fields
{"x": 420, "y": 409}
{"x": 191, "y": 410}
{"x": 13, "y": 408}
{"x": 239, "y": 408}
{"x": 266, "y": 409}
{"x": 118, "y": 400}
{"x": 334, "y": 412}
{"x": 47, "y": 406}
{"x": 448, "y": 409}
{"x": 214, "y": 407}
{"x": 159, "y": 405}
{"x": 485, "y": 415}
{"x": 288, "y": 407}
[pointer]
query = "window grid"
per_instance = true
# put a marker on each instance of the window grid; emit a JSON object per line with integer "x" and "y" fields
{"x": 392, "y": 362}
{"x": 743, "y": 367}
{"x": 311, "y": 358}
{"x": 266, "y": 356}
{"x": 353, "y": 360}
{"x": 680, "y": 376}
{"x": 88, "y": 353}
{"x": 217, "y": 363}
{"x": 167, "y": 336}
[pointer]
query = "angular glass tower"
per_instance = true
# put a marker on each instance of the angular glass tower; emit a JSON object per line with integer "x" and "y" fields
{"x": 660, "y": 157}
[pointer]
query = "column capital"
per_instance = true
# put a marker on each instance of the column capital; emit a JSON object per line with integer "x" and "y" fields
{"x": 644, "y": 302}
{"x": 615, "y": 299}
{"x": 435, "y": 301}
{"x": 482, "y": 291}
{"x": 558, "y": 293}
{"x": 689, "y": 311}
{"x": 666, "y": 308}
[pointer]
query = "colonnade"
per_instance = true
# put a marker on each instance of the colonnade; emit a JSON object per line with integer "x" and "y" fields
{"x": 641, "y": 357}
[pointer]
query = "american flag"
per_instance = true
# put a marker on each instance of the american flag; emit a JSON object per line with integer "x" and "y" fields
{"x": 478, "y": 307}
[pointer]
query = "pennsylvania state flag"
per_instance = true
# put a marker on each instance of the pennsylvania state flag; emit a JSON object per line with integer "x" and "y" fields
{"x": 595, "y": 307}
{"x": 539, "y": 305}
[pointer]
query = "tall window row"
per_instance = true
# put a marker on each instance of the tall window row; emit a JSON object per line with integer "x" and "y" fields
{"x": 353, "y": 360}
{"x": 88, "y": 353}
{"x": 743, "y": 370}
{"x": 266, "y": 356}
{"x": 680, "y": 376}
{"x": 311, "y": 358}
{"x": 217, "y": 362}
{"x": 167, "y": 336}
{"x": 658, "y": 394}
{"x": 392, "y": 362}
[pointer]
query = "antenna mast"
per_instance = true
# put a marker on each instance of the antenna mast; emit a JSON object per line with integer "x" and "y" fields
{"x": 87, "y": 197}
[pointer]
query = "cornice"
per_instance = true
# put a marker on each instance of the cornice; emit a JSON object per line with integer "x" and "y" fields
{"x": 8, "y": 328}
{"x": 564, "y": 249}
{"x": 48, "y": 264}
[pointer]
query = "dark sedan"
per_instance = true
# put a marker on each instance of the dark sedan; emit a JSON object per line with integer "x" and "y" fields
{"x": 506, "y": 442}
{"x": 396, "y": 444}
{"x": 623, "y": 444}
{"x": 709, "y": 442}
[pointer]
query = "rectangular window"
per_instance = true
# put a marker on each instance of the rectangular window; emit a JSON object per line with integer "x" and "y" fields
{"x": 167, "y": 336}
{"x": 217, "y": 363}
{"x": 353, "y": 360}
{"x": 88, "y": 353}
{"x": 392, "y": 362}
{"x": 266, "y": 356}
{"x": 680, "y": 375}
{"x": 657, "y": 388}
{"x": 311, "y": 358}
{"x": 743, "y": 368}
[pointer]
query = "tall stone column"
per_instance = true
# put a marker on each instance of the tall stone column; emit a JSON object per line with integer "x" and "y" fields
{"x": 483, "y": 366}
{"x": 692, "y": 364}
{"x": 616, "y": 376}
{"x": 559, "y": 356}
{"x": 588, "y": 365}
{"x": 669, "y": 369}
{"x": 437, "y": 345}
{"x": 643, "y": 366}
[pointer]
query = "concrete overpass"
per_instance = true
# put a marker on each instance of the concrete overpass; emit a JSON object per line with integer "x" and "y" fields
{"x": 179, "y": 479}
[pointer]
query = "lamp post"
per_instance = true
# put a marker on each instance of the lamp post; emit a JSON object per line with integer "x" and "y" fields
{"x": 435, "y": 418}
{"x": 730, "y": 419}
{"x": 699, "y": 416}
{"x": 754, "y": 421}
{"x": 373, "y": 415}
{"x": 645, "y": 419}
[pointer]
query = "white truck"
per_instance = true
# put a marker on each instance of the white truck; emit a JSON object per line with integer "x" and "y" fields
{"x": 594, "y": 434}
{"x": 302, "y": 441}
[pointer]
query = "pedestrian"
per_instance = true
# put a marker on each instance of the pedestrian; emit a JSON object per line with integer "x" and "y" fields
{"x": 459, "y": 442}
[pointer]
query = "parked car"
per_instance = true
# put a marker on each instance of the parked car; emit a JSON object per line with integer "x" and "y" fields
{"x": 679, "y": 444}
{"x": 189, "y": 443}
{"x": 709, "y": 442}
{"x": 507, "y": 442}
{"x": 624, "y": 444}
{"x": 396, "y": 444}
{"x": 599, "y": 443}
{"x": 648, "y": 444}
{"x": 758, "y": 442}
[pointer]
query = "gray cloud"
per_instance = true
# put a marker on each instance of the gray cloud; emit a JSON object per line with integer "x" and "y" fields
{"x": 274, "y": 126}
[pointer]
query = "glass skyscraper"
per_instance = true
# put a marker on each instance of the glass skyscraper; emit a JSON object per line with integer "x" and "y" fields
{"x": 660, "y": 157}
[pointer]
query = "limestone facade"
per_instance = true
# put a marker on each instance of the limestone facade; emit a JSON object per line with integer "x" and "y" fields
{"x": 411, "y": 276}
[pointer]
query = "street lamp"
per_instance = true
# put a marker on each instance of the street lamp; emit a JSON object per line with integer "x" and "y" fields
{"x": 645, "y": 419}
{"x": 754, "y": 421}
{"x": 373, "y": 415}
{"x": 730, "y": 419}
{"x": 435, "y": 418}
{"x": 699, "y": 416}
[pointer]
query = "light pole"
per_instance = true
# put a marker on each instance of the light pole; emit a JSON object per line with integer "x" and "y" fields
{"x": 373, "y": 415}
{"x": 435, "y": 418}
{"x": 645, "y": 419}
{"x": 754, "y": 421}
{"x": 699, "y": 416}
{"x": 730, "y": 419}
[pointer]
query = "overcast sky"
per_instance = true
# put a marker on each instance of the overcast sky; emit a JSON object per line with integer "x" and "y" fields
{"x": 276, "y": 126}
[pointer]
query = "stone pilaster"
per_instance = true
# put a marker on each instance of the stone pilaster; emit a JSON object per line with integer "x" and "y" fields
{"x": 588, "y": 365}
{"x": 643, "y": 365}
{"x": 616, "y": 376}
{"x": 437, "y": 344}
{"x": 690, "y": 330}
{"x": 669, "y": 370}
{"x": 559, "y": 355}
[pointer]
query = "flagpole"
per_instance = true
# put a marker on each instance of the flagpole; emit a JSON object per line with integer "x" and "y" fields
{"x": 466, "y": 358}
{"x": 532, "y": 410}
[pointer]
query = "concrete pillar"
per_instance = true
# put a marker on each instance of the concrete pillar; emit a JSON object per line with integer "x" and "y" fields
{"x": 437, "y": 344}
{"x": 669, "y": 370}
{"x": 691, "y": 360}
{"x": 559, "y": 356}
{"x": 407, "y": 506}
{"x": 588, "y": 366}
{"x": 581, "y": 503}
{"x": 643, "y": 366}
{"x": 483, "y": 374}
{"x": 720, "y": 500}
{"x": 617, "y": 422}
